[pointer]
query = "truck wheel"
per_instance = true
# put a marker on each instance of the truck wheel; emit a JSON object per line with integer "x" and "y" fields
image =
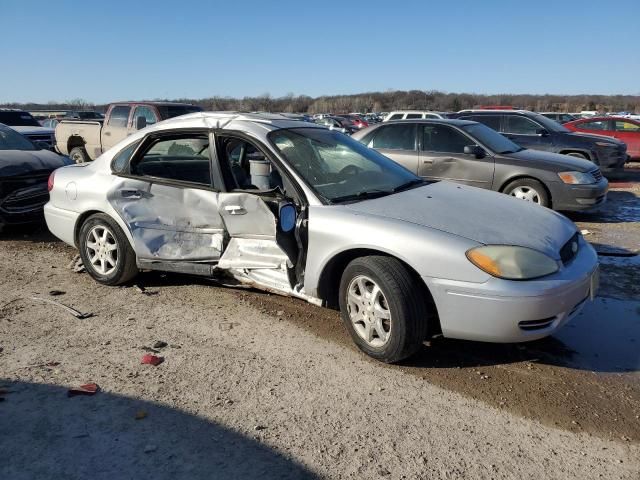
{"x": 105, "y": 251}
{"x": 530, "y": 190}
{"x": 79, "y": 155}
{"x": 383, "y": 308}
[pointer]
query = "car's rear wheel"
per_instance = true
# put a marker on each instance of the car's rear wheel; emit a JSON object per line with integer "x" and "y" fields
{"x": 105, "y": 251}
{"x": 577, "y": 155}
{"x": 79, "y": 155}
{"x": 530, "y": 190}
{"x": 383, "y": 308}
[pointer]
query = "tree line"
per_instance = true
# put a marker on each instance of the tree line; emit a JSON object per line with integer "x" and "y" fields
{"x": 385, "y": 101}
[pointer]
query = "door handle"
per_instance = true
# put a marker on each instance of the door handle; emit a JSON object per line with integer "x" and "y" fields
{"x": 427, "y": 160}
{"x": 235, "y": 210}
{"x": 134, "y": 194}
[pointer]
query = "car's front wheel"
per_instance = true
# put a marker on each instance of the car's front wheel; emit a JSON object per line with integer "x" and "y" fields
{"x": 530, "y": 190}
{"x": 105, "y": 251}
{"x": 383, "y": 308}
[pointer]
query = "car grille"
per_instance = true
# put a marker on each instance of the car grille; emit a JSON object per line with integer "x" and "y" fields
{"x": 23, "y": 194}
{"x": 596, "y": 174}
{"x": 38, "y": 137}
{"x": 570, "y": 249}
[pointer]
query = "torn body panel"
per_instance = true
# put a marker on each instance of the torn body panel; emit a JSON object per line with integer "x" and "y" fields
{"x": 253, "y": 254}
{"x": 169, "y": 223}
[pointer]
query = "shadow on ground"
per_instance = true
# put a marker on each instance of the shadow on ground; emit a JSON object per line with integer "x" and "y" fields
{"x": 46, "y": 435}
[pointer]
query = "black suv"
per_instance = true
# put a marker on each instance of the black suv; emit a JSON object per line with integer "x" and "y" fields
{"x": 535, "y": 131}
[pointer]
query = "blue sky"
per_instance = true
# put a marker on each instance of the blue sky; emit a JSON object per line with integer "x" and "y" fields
{"x": 110, "y": 50}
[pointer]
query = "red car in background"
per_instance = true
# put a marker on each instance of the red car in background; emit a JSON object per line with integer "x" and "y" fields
{"x": 624, "y": 129}
{"x": 355, "y": 120}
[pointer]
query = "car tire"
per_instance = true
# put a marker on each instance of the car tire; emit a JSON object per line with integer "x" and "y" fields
{"x": 105, "y": 251}
{"x": 529, "y": 189}
{"x": 79, "y": 155}
{"x": 398, "y": 297}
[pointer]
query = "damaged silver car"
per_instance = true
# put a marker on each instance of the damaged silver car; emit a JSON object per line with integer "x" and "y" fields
{"x": 294, "y": 208}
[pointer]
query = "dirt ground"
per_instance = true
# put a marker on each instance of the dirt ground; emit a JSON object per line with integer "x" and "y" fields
{"x": 257, "y": 385}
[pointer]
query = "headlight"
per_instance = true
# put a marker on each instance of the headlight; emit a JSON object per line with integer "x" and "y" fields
{"x": 512, "y": 263}
{"x": 605, "y": 144}
{"x": 576, "y": 178}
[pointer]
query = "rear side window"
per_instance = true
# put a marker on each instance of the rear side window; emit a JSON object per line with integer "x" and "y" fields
{"x": 440, "y": 138}
{"x": 413, "y": 115}
{"x": 627, "y": 127}
{"x": 521, "y": 125}
{"x": 396, "y": 116}
{"x": 396, "y": 137}
{"x": 491, "y": 121}
{"x": 121, "y": 159}
{"x": 119, "y": 116}
{"x": 183, "y": 158}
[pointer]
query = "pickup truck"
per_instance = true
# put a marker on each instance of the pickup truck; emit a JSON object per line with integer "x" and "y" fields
{"x": 85, "y": 140}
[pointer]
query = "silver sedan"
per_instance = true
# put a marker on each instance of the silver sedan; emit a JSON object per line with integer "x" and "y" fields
{"x": 297, "y": 209}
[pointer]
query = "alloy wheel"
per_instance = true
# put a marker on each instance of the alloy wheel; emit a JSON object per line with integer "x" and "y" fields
{"x": 102, "y": 250}
{"x": 526, "y": 193}
{"x": 369, "y": 311}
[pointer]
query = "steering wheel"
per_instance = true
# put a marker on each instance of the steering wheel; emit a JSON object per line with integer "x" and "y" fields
{"x": 350, "y": 170}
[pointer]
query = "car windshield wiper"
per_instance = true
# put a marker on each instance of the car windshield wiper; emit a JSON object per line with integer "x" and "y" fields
{"x": 363, "y": 195}
{"x": 411, "y": 183}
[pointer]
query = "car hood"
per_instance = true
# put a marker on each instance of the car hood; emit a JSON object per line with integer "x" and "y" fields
{"x": 24, "y": 162}
{"x": 595, "y": 137}
{"x": 551, "y": 161}
{"x": 483, "y": 216}
{"x": 33, "y": 130}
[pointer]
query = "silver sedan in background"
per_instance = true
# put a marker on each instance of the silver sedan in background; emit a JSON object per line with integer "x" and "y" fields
{"x": 295, "y": 208}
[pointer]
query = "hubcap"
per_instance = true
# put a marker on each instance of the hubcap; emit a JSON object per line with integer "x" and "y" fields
{"x": 526, "y": 193}
{"x": 369, "y": 311}
{"x": 102, "y": 250}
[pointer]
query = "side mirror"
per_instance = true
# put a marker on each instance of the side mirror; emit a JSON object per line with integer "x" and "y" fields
{"x": 287, "y": 217}
{"x": 475, "y": 150}
{"x": 141, "y": 122}
{"x": 542, "y": 132}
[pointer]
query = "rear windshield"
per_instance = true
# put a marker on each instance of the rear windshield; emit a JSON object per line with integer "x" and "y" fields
{"x": 170, "y": 111}
{"x": 18, "y": 119}
{"x": 11, "y": 140}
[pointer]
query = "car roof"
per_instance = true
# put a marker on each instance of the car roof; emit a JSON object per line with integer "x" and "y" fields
{"x": 449, "y": 121}
{"x": 230, "y": 120}
{"x": 494, "y": 111}
{"x": 606, "y": 117}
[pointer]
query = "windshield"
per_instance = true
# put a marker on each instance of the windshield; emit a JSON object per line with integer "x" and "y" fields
{"x": 339, "y": 168}
{"x": 491, "y": 139}
{"x": 549, "y": 124}
{"x": 18, "y": 119}
{"x": 170, "y": 111}
{"x": 12, "y": 140}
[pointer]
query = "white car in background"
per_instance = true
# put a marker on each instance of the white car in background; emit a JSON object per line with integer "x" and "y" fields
{"x": 412, "y": 115}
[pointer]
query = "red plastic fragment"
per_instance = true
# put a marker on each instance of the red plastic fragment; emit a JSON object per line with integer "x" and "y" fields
{"x": 86, "y": 389}
{"x": 152, "y": 360}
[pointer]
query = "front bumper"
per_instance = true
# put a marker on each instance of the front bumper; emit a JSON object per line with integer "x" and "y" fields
{"x": 505, "y": 311}
{"x": 566, "y": 197}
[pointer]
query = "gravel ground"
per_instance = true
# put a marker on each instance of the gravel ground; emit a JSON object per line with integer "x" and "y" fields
{"x": 257, "y": 385}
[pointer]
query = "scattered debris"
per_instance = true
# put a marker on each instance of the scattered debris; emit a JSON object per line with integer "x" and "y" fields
{"x": 42, "y": 365}
{"x": 72, "y": 311}
{"x": 86, "y": 389}
{"x": 279, "y": 313}
{"x": 55, "y": 293}
{"x": 76, "y": 265}
{"x": 585, "y": 232}
{"x": 259, "y": 427}
{"x": 154, "y": 360}
{"x": 225, "y": 326}
{"x": 140, "y": 415}
{"x": 149, "y": 349}
{"x": 144, "y": 291}
{"x": 160, "y": 344}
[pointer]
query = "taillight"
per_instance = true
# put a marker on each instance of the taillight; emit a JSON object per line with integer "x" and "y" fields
{"x": 50, "y": 181}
